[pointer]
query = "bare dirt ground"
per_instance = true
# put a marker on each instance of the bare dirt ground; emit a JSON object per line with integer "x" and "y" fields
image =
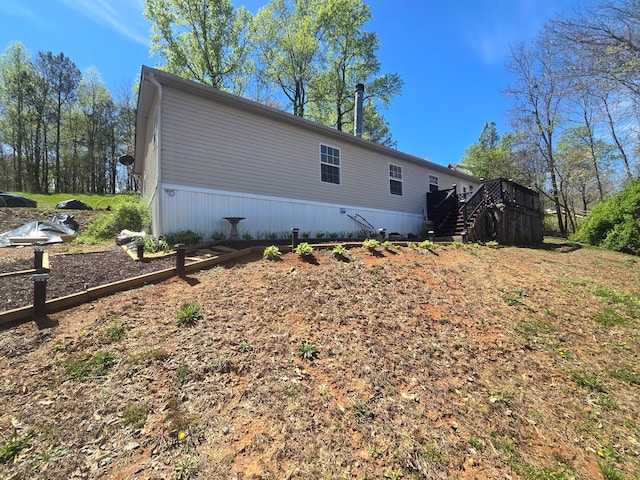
{"x": 408, "y": 363}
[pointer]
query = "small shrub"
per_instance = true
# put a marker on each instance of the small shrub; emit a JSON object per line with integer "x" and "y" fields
{"x": 245, "y": 347}
{"x": 188, "y": 237}
{"x": 427, "y": 244}
{"x": 387, "y": 245}
{"x": 189, "y": 314}
{"x": 333, "y": 235}
{"x": 319, "y": 234}
{"x": 133, "y": 215}
{"x": 273, "y": 236}
{"x": 338, "y": 251}
{"x": 247, "y": 236}
{"x": 361, "y": 409}
{"x": 370, "y": 244}
{"x": 271, "y": 253}
{"x": 307, "y": 351}
{"x": 217, "y": 236}
{"x": 305, "y": 234}
{"x": 152, "y": 245}
{"x": 304, "y": 249}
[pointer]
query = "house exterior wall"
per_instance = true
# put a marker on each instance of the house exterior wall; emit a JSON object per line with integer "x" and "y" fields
{"x": 202, "y": 210}
{"x": 215, "y": 155}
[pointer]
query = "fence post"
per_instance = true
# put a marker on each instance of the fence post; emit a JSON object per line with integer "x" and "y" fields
{"x": 38, "y": 251}
{"x": 39, "y": 294}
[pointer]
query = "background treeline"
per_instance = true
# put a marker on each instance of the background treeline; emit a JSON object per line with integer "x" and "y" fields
{"x": 60, "y": 130}
{"x": 576, "y": 97}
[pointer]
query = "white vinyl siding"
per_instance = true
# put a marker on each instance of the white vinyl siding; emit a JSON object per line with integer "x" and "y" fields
{"x": 211, "y": 145}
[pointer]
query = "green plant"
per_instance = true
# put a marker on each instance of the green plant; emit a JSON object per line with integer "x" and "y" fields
{"x": 625, "y": 375}
{"x": 188, "y": 237}
{"x": 134, "y": 415}
{"x": 245, "y": 347}
{"x": 492, "y": 244}
{"x": 476, "y": 443}
{"x": 182, "y": 373}
{"x": 427, "y": 244}
{"x": 305, "y": 234}
{"x": 395, "y": 475}
{"x": 153, "y": 245}
{"x": 319, "y": 234}
{"x": 307, "y": 351}
{"x": 387, "y": 245}
{"x": 186, "y": 468}
{"x": 217, "y": 235}
{"x": 361, "y": 409}
{"x": 338, "y": 251}
{"x": 111, "y": 334}
{"x": 131, "y": 215}
{"x": 272, "y": 236}
{"x": 247, "y": 236}
{"x": 333, "y": 235}
{"x": 615, "y": 223}
{"x": 608, "y": 317}
{"x": 587, "y": 380}
{"x": 189, "y": 313}
{"x": 304, "y": 249}
{"x": 13, "y": 445}
{"x": 271, "y": 253}
{"x": 609, "y": 472}
{"x": 83, "y": 367}
{"x": 370, "y": 244}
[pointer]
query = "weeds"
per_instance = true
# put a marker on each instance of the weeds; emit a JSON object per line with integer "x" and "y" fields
{"x": 13, "y": 445}
{"x": 609, "y": 472}
{"x": 135, "y": 415}
{"x": 187, "y": 468}
{"x": 361, "y": 409}
{"x": 625, "y": 375}
{"x": 182, "y": 373}
{"x": 84, "y": 367}
{"x": 189, "y": 314}
{"x": 111, "y": 334}
{"x": 245, "y": 347}
{"x": 587, "y": 380}
{"x": 307, "y": 351}
{"x": 608, "y": 317}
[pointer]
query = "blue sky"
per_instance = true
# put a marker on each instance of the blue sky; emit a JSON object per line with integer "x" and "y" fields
{"x": 450, "y": 54}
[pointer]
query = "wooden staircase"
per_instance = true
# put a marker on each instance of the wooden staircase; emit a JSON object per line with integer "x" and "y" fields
{"x": 455, "y": 215}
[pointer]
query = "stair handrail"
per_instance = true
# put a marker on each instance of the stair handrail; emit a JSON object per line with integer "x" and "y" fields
{"x": 443, "y": 208}
{"x": 473, "y": 203}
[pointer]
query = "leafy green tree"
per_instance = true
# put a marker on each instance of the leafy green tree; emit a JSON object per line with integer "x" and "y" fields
{"x": 348, "y": 57}
{"x": 16, "y": 90}
{"x": 286, "y": 35}
{"x": 491, "y": 156}
{"x": 615, "y": 223}
{"x": 203, "y": 40}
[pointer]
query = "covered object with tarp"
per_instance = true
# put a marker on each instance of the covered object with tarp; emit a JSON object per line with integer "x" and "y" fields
{"x": 36, "y": 232}
{"x": 73, "y": 204}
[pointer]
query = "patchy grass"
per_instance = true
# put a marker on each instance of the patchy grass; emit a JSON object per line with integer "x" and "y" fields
{"x": 424, "y": 371}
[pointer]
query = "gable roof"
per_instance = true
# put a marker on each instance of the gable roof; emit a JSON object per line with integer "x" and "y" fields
{"x": 150, "y": 79}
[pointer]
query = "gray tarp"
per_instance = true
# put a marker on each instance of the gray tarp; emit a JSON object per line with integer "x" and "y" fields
{"x": 51, "y": 230}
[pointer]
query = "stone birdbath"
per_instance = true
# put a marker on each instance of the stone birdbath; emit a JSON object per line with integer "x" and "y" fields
{"x": 234, "y": 226}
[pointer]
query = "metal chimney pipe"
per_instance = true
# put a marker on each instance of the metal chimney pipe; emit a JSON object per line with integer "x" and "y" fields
{"x": 357, "y": 119}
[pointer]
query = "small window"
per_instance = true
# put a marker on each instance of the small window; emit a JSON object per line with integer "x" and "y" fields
{"x": 433, "y": 183}
{"x": 395, "y": 179}
{"x": 330, "y": 164}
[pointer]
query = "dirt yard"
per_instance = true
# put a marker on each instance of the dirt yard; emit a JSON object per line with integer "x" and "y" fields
{"x": 456, "y": 362}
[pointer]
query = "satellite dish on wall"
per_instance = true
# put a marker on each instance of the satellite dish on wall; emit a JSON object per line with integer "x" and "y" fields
{"x": 126, "y": 160}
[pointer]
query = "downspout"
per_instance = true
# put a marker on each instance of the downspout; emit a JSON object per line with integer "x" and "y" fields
{"x": 159, "y": 140}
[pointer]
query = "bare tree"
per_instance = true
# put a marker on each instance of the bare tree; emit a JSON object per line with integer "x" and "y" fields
{"x": 538, "y": 93}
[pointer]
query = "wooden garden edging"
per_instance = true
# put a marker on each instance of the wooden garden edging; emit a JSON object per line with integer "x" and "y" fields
{"x": 73, "y": 300}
